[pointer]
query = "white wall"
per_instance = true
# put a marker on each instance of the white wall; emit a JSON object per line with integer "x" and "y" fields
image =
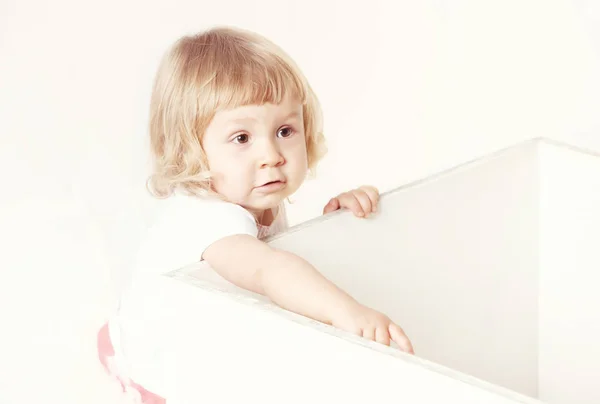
{"x": 426, "y": 84}
{"x": 569, "y": 319}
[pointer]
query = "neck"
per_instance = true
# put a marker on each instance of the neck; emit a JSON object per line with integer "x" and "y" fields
{"x": 267, "y": 216}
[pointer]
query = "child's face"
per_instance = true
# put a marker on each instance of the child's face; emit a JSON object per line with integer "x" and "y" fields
{"x": 257, "y": 153}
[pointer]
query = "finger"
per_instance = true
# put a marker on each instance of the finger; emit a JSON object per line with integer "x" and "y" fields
{"x": 332, "y": 205}
{"x": 369, "y": 333}
{"x": 382, "y": 336}
{"x": 349, "y": 201}
{"x": 373, "y": 194}
{"x": 364, "y": 200}
{"x": 400, "y": 338}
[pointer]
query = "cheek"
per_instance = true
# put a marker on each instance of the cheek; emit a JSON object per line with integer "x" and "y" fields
{"x": 304, "y": 155}
{"x": 219, "y": 160}
{"x": 217, "y": 164}
{"x": 231, "y": 173}
{"x": 298, "y": 158}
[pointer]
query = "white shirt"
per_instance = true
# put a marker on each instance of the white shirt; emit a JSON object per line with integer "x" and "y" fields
{"x": 185, "y": 227}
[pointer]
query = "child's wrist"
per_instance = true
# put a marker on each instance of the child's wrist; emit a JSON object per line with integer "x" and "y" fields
{"x": 342, "y": 308}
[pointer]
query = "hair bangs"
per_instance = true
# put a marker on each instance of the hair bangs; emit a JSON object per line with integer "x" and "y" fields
{"x": 255, "y": 83}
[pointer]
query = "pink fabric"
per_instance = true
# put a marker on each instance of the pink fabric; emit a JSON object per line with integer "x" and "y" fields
{"x": 106, "y": 353}
{"x": 279, "y": 224}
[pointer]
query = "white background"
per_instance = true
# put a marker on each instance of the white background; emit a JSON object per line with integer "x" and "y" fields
{"x": 408, "y": 88}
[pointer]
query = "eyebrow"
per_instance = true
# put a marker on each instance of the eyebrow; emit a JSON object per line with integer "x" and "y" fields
{"x": 242, "y": 120}
{"x": 293, "y": 114}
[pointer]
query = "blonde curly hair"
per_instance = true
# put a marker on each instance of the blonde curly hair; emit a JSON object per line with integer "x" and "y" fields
{"x": 220, "y": 68}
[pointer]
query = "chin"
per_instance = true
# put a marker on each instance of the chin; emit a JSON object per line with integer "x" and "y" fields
{"x": 267, "y": 202}
{"x": 272, "y": 203}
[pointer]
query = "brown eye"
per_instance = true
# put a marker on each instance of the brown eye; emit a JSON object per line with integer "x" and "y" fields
{"x": 285, "y": 132}
{"x": 241, "y": 139}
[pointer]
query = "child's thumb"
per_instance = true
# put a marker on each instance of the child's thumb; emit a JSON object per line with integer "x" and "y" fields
{"x": 332, "y": 205}
{"x": 398, "y": 336}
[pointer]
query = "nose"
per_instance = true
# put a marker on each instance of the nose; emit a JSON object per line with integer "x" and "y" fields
{"x": 270, "y": 155}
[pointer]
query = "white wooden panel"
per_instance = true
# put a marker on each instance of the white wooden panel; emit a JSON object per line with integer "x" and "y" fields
{"x": 276, "y": 356}
{"x": 569, "y": 323}
{"x": 453, "y": 260}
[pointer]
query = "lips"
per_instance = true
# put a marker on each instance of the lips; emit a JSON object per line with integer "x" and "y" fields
{"x": 271, "y": 186}
{"x": 271, "y": 183}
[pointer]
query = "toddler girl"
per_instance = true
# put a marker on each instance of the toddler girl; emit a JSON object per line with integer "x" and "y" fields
{"x": 235, "y": 128}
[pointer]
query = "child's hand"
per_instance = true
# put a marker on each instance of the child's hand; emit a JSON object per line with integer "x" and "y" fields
{"x": 372, "y": 325}
{"x": 361, "y": 201}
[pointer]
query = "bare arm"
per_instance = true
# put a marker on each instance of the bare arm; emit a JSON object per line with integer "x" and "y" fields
{"x": 294, "y": 284}
{"x": 288, "y": 280}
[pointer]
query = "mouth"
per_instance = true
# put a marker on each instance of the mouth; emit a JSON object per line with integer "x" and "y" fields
{"x": 273, "y": 182}
{"x": 271, "y": 185}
